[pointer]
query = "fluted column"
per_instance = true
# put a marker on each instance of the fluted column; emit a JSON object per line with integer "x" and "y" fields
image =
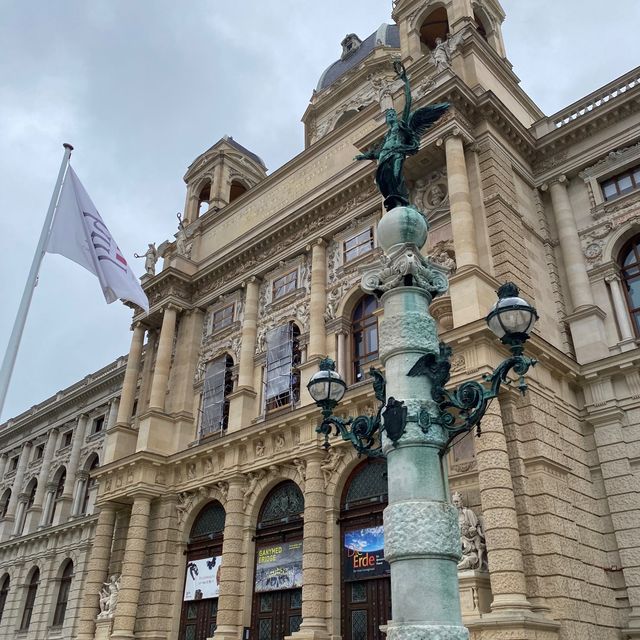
{"x": 314, "y": 549}
{"x": 16, "y": 487}
{"x": 96, "y": 573}
{"x": 132, "y": 565}
{"x": 130, "y": 382}
{"x": 163, "y": 359}
{"x": 74, "y": 458}
{"x": 506, "y": 568}
{"x": 574, "y": 260}
{"x": 249, "y": 329}
{"x": 232, "y": 573}
{"x": 318, "y": 299}
{"x": 342, "y": 354}
{"x": 43, "y": 476}
{"x": 620, "y": 307}
{"x": 462, "y": 225}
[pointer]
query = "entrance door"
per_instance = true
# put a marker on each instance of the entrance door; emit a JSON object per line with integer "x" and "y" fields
{"x": 367, "y": 606}
{"x": 277, "y": 613}
{"x": 199, "y": 619}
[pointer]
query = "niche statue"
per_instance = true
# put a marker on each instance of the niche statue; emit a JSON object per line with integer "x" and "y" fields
{"x": 401, "y": 140}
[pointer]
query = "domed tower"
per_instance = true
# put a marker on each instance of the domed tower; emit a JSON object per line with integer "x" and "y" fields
{"x": 425, "y": 24}
{"x": 361, "y": 76}
{"x": 219, "y": 176}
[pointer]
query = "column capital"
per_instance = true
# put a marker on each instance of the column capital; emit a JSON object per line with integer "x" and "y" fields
{"x": 318, "y": 242}
{"x": 51, "y": 487}
{"x": 251, "y": 280}
{"x": 612, "y": 277}
{"x": 559, "y": 179}
{"x": 23, "y": 497}
{"x": 83, "y": 474}
{"x": 455, "y": 131}
{"x": 172, "y": 307}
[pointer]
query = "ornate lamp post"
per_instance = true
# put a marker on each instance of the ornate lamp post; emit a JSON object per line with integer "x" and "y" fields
{"x": 415, "y": 426}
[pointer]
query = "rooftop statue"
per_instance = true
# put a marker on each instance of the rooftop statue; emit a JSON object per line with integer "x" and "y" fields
{"x": 402, "y": 140}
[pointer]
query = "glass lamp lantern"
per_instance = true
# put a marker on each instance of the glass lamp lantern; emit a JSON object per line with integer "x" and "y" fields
{"x": 511, "y": 318}
{"x": 326, "y": 386}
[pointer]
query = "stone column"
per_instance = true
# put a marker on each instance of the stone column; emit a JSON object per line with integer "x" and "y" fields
{"x": 314, "y": 549}
{"x": 3, "y": 465}
{"x": 43, "y": 476}
{"x": 113, "y": 412}
{"x": 506, "y": 568}
{"x": 342, "y": 354}
{"x": 462, "y": 225}
{"x": 147, "y": 371}
{"x": 620, "y": 307}
{"x": 130, "y": 382}
{"x": 74, "y": 458}
{"x": 163, "y": 359}
{"x": 21, "y": 514}
{"x": 232, "y": 573}
{"x": 249, "y": 330}
{"x": 97, "y": 571}
{"x": 132, "y": 565}
{"x": 318, "y": 299}
{"x": 574, "y": 261}
{"x": 48, "y": 504}
{"x": 16, "y": 487}
{"x": 82, "y": 477}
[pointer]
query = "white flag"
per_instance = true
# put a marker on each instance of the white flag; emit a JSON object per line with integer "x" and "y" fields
{"x": 78, "y": 233}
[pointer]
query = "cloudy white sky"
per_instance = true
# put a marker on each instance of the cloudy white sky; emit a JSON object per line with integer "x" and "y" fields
{"x": 141, "y": 88}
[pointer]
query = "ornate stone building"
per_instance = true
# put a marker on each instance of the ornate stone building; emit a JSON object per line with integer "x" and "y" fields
{"x": 47, "y": 504}
{"x": 220, "y": 514}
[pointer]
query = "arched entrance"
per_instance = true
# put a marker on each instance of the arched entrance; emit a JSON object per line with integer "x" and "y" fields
{"x": 277, "y": 586}
{"x": 366, "y": 589}
{"x": 202, "y": 578}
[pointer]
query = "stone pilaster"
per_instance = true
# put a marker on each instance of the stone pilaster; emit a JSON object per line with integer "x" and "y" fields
{"x": 21, "y": 514}
{"x": 16, "y": 487}
{"x": 112, "y": 417}
{"x": 314, "y": 549}
{"x": 130, "y": 382}
{"x": 318, "y": 300}
{"x": 3, "y": 465}
{"x": 48, "y": 504}
{"x": 43, "y": 476}
{"x": 163, "y": 359}
{"x": 96, "y": 573}
{"x": 72, "y": 468}
{"x": 129, "y": 594}
{"x": 508, "y": 583}
{"x": 232, "y": 573}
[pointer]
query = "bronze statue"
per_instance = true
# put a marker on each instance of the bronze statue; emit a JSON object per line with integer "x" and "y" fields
{"x": 402, "y": 140}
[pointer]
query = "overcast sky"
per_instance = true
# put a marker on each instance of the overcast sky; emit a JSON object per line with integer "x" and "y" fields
{"x": 141, "y": 88}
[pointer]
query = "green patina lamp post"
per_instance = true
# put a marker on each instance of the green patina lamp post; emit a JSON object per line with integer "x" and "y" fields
{"x": 418, "y": 416}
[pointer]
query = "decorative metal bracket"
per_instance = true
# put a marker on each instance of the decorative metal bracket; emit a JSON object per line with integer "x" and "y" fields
{"x": 462, "y": 409}
{"x": 361, "y": 431}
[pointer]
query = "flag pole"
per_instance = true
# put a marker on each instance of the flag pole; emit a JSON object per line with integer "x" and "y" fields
{"x": 21, "y": 317}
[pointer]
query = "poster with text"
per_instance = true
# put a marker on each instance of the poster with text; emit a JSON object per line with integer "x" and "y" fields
{"x": 363, "y": 554}
{"x": 203, "y": 579}
{"x": 279, "y": 567}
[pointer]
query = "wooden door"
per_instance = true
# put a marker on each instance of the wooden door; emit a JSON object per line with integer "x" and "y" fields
{"x": 199, "y": 619}
{"x": 367, "y": 605}
{"x": 276, "y": 614}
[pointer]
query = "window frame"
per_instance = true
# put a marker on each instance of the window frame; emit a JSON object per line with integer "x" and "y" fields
{"x": 98, "y": 421}
{"x": 615, "y": 179}
{"x": 67, "y": 435}
{"x": 4, "y": 593}
{"x": 32, "y": 594}
{"x": 64, "y": 589}
{"x": 281, "y": 285}
{"x": 360, "y": 325}
{"x": 370, "y": 242}
{"x": 215, "y": 327}
{"x": 632, "y": 246}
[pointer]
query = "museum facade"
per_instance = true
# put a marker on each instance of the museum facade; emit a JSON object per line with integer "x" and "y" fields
{"x": 220, "y": 514}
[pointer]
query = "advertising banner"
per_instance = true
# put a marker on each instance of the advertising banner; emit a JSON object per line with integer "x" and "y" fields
{"x": 363, "y": 554}
{"x": 279, "y": 567}
{"x": 203, "y": 579}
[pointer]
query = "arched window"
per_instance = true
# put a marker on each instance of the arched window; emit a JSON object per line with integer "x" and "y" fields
{"x": 4, "y": 503}
{"x": 32, "y": 590}
{"x": 57, "y": 496}
{"x": 236, "y": 190}
{"x": 364, "y": 326}
{"x": 203, "y": 198}
{"x": 202, "y": 573}
{"x": 630, "y": 268}
{"x": 63, "y": 594}
{"x": 90, "y": 486}
{"x": 436, "y": 25}
{"x": 365, "y": 588}
{"x": 214, "y": 405}
{"x": 282, "y": 378}
{"x": 4, "y": 592}
{"x": 277, "y": 588}
{"x": 480, "y": 26}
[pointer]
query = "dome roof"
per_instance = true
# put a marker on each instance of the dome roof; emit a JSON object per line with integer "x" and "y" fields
{"x": 354, "y": 51}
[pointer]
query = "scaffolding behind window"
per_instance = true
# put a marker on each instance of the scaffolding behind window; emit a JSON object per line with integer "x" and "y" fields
{"x": 282, "y": 381}
{"x": 215, "y": 405}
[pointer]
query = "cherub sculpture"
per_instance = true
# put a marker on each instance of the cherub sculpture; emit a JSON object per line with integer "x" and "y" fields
{"x": 402, "y": 139}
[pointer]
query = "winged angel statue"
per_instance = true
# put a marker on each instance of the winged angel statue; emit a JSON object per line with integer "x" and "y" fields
{"x": 402, "y": 140}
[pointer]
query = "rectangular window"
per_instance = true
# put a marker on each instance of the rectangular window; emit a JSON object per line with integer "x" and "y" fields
{"x": 222, "y": 318}
{"x": 285, "y": 284}
{"x": 214, "y": 405}
{"x": 358, "y": 245}
{"x": 13, "y": 465}
{"x": 39, "y": 452}
{"x": 98, "y": 425}
{"x": 66, "y": 438}
{"x": 621, "y": 184}
{"x": 282, "y": 383}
